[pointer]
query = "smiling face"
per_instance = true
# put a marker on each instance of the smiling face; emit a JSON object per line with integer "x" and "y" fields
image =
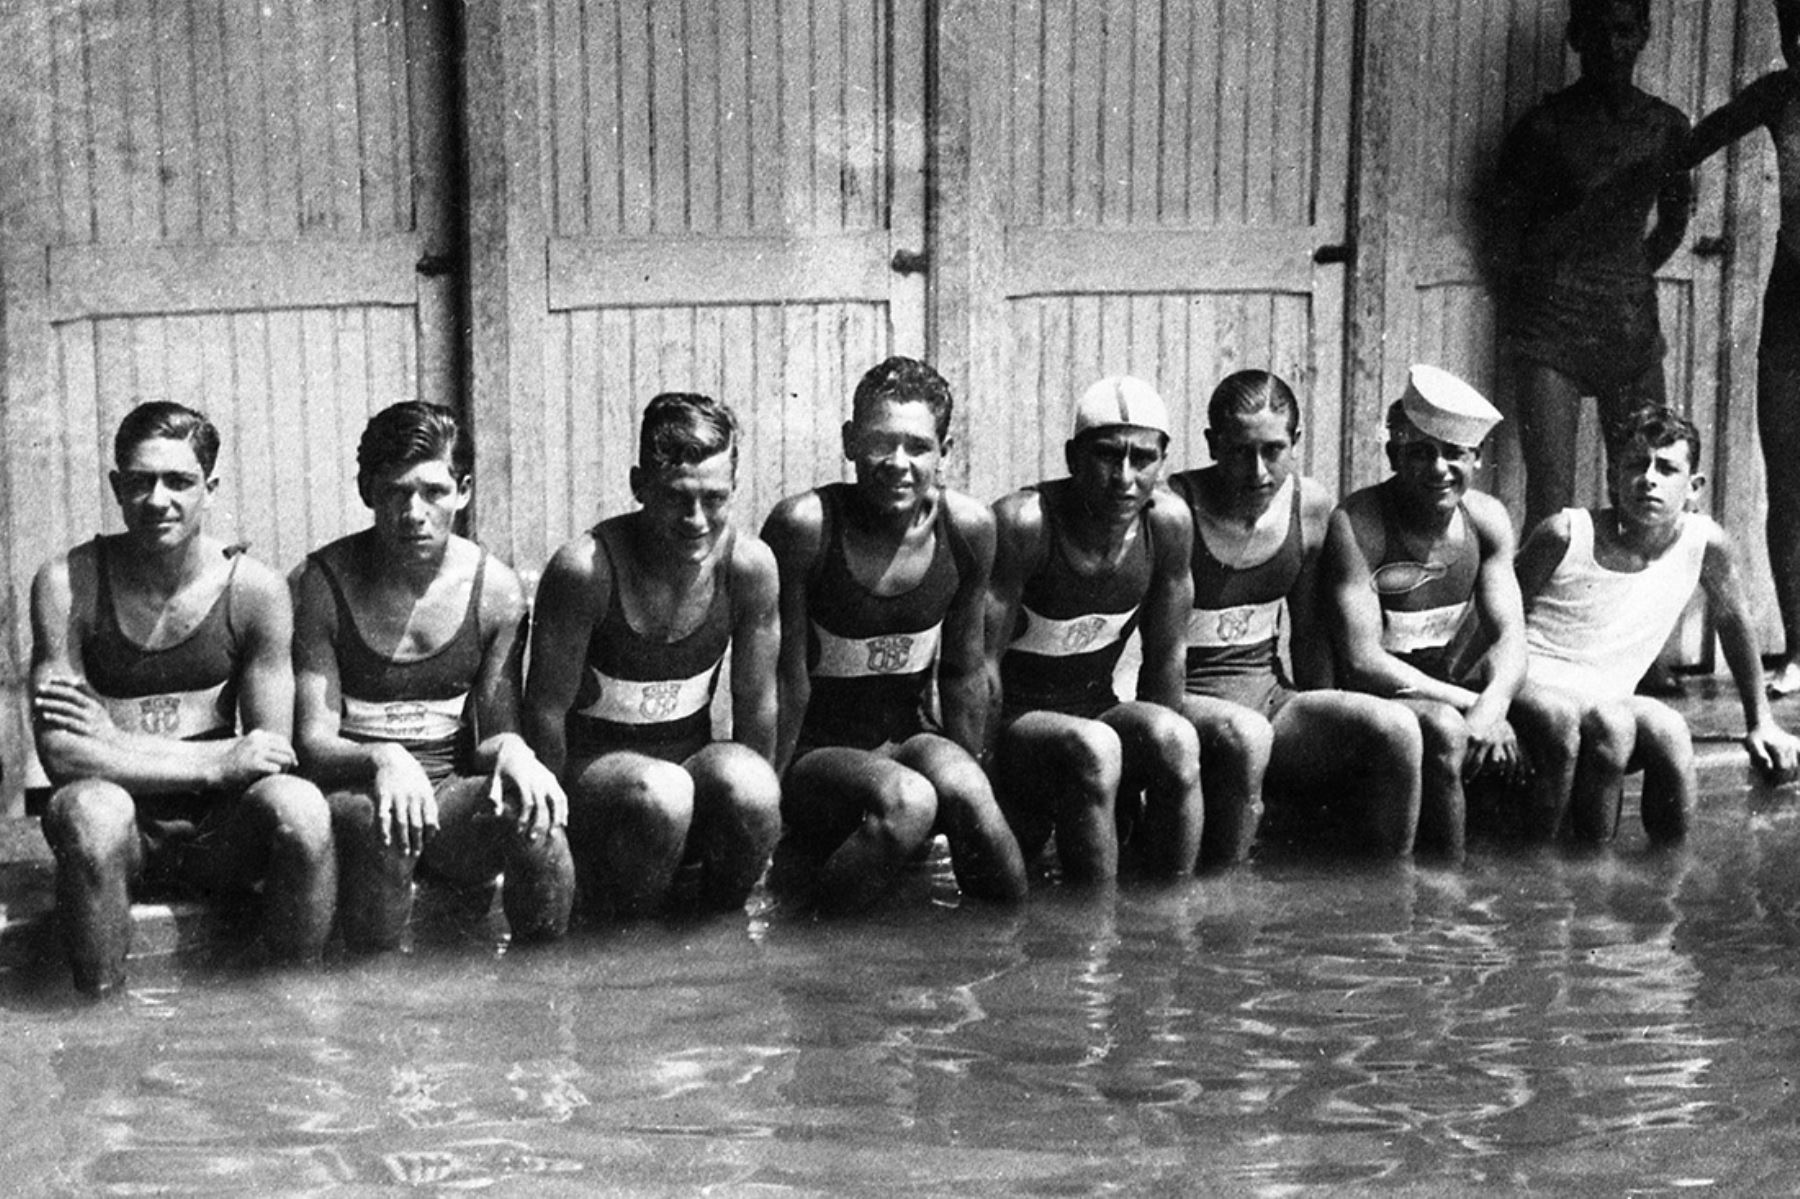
{"x": 162, "y": 491}
{"x": 1652, "y": 485}
{"x": 686, "y": 507}
{"x": 893, "y": 446}
{"x": 415, "y": 506}
{"x": 1430, "y": 474}
{"x": 1115, "y": 470}
{"x": 1255, "y": 456}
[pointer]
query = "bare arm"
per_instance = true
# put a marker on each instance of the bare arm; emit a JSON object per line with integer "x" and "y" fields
{"x": 1308, "y": 645}
{"x": 1163, "y": 676}
{"x": 755, "y": 647}
{"x": 1018, "y": 535}
{"x": 1751, "y": 108}
{"x": 1773, "y": 750}
{"x": 574, "y": 587}
{"x": 1502, "y": 611}
{"x": 517, "y": 776}
{"x": 794, "y": 533}
{"x": 962, "y": 679}
{"x": 1674, "y": 200}
{"x": 75, "y": 736}
{"x": 1545, "y": 547}
{"x": 1356, "y": 613}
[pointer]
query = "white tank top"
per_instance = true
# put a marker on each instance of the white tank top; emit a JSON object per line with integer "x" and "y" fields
{"x": 1596, "y": 631}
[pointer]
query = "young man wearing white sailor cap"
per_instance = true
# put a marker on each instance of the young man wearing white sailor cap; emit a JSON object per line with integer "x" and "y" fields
{"x": 1418, "y": 565}
{"x": 1081, "y": 564}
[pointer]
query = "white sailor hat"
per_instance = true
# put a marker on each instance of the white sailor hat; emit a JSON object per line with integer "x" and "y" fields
{"x": 1441, "y": 405}
{"x": 1120, "y": 400}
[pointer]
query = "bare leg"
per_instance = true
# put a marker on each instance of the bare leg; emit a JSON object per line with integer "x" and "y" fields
{"x": 1161, "y": 757}
{"x": 472, "y": 845}
{"x": 1665, "y": 749}
{"x": 1063, "y": 771}
{"x": 629, "y": 816}
{"x": 1442, "y": 805}
{"x": 92, "y": 829}
{"x": 1549, "y": 421}
{"x": 1608, "y": 737}
{"x": 1778, "y": 423}
{"x": 375, "y": 881}
{"x": 278, "y": 832}
{"x": 851, "y": 820}
{"x": 1235, "y": 744}
{"x": 1321, "y": 738}
{"x": 983, "y": 853}
{"x": 737, "y": 820}
{"x": 1549, "y": 721}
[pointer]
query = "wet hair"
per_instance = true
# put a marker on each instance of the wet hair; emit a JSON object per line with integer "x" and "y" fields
{"x": 682, "y": 428}
{"x": 1245, "y": 393}
{"x": 1583, "y": 11}
{"x": 901, "y": 380}
{"x": 408, "y": 433}
{"x": 171, "y": 421}
{"x": 1657, "y": 427}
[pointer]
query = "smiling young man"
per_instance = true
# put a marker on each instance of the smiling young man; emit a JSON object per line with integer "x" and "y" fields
{"x": 1603, "y": 589}
{"x": 882, "y": 584}
{"x": 1259, "y": 528}
{"x": 407, "y": 646}
{"x": 634, "y": 619}
{"x": 1082, "y": 564}
{"x": 163, "y": 699}
{"x": 1419, "y": 565}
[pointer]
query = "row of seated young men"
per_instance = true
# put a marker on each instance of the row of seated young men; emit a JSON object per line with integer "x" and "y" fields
{"x": 904, "y": 661}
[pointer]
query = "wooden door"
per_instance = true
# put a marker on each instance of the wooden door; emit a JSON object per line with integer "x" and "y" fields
{"x": 224, "y": 203}
{"x": 1159, "y": 189}
{"x": 685, "y": 195}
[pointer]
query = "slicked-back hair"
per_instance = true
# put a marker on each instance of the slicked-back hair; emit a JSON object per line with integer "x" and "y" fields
{"x": 167, "y": 420}
{"x": 1245, "y": 393}
{"x": 682, "y": 428}
{"x": 408, "y": 433}
{"x": 1657, "y": 427}
{"x": 901, "y": 380}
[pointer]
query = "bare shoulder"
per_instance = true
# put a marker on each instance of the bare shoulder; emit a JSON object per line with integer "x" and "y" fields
{"x": 967, "y": 513}
{"x": 1553, "y": 532}
{"x": 1169, "y": 515}
{"x": 1019, "y": 510}
{"x": 260, "y": 594}
{"x": 795, "y": 527}
{"x": 752, "y": 561}
{"x": 502, "y": 592}
{"x": 1316, "y": 504}
{"x": 1490, "y": 520}
{"x": 577, "y": 559}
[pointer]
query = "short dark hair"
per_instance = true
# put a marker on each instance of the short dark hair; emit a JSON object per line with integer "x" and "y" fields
{"x": 1657, "y": 427}
{"x": 1245, "y": 393}
{"x": 1583, "y": 11}
{"x": 172, "y": 421}
{"x": 684, "y": 427}
{"x": 902, "y": 380}
{"x": 410, "y": 432}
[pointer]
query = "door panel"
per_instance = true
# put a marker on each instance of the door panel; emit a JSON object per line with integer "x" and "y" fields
{"x": 1152, "y": 183}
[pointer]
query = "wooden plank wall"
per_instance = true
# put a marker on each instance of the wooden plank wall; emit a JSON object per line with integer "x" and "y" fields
{"x": 1156, "y": 178}
{"x": 743, "y": 152}
{"x": 211, "y": 201}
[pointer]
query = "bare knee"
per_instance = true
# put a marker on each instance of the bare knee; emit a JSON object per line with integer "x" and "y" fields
{"x": 1444, "y": 737}
{"x": 1239, "y": 737}
{"x": 1094, "y": 758}
{"x": 904, "y": 806}
{"x": 89, "y": 820}
{"x": 741, "y": 779}
{"x": 295, "y": 813}
{"x": 1174, "y": 745}
{"x": 1608, "y": 735}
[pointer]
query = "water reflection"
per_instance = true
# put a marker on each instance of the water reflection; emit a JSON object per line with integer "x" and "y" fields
{"x": 1603, "y": 1023}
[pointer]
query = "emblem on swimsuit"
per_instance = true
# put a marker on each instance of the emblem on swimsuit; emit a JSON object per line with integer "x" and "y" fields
{"x": 890, "y": 655}
{"x": 1398, "y": 578}
{"x": 404, "y": 718}
{"x": 1079, "y": 634}
{"x": 660, "y": 699}
{"x": 160, "y": 714}
{"x": 1234, "y": 624}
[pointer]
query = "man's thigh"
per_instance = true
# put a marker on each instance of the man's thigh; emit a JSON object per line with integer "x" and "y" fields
{"x": 1663, "y": 736}
{"x": 1320, "y": 736}
{"x": 468, "y": 846}
{"x": 828, "y": 791}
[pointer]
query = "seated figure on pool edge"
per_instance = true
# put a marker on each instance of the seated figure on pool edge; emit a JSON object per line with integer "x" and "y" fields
{"x": 1417, "y": 566}
{"x": 1082, "y": 563}
{"x": 633, "y": 622}
{"x": 162, "y": 703}
{"x": 882, "y": 585}
{"x": 408, "y": 639}
{"x": 1603, "y": 590}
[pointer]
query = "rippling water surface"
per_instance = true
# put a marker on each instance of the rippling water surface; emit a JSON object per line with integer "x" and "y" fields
{"x": 1616, "y": 1024}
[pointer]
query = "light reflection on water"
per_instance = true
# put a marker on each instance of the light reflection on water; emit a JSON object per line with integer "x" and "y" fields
{"x": 1611, "y": 1024}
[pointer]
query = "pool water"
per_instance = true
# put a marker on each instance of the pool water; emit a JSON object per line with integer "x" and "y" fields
{"x": 1616, "y": 1023}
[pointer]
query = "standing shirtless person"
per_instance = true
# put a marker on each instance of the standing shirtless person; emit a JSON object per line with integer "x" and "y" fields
{"x": 163, "y": 698}
{"x": 407, "y": 646}
{"x": 1773, "y": 103}
{"x": 1416, "y": 565}
{"x": 1259, "y": 528}
{"x": 881, "y": 580}
{"x": 634, "y": 618}
{"x": 1082, "y": 563}
{"x": 1579, "y": 175}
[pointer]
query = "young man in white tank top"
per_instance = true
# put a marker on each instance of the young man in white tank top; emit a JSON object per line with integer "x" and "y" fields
{"x": 1603, "y": 590}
